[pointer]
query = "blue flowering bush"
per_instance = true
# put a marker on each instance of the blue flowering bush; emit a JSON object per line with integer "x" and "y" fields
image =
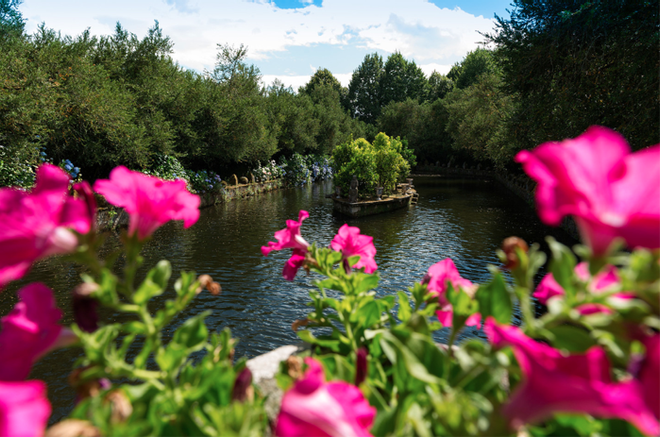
{"x": 299, "y": 169}
{"x": 203, "y": 181}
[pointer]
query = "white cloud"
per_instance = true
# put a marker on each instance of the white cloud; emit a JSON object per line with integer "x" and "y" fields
{"x": 418, "y": 29}
{"x": 428, "y": 69}
{"x": 296, "y": 82}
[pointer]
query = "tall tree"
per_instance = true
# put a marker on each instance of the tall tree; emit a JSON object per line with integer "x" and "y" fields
{"x": 363, "y": 99}
{"x": 475, "y": 63}
{"x": 578, "y": 63}
{"x": 322, "y": 76}
{"x": 401, "y": 79}
{"x": 11, "y": 20}
{"x": 439, "y": 86}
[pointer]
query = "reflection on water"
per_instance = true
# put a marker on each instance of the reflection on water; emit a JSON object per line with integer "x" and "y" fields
{"x": 459, "y": 218}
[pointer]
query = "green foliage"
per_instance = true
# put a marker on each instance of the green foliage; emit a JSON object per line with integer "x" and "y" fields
{"x": 478, "y": 119}
{"x": 423, "y": 127}
{"x": 12, "y": 22}
{"x": 475, "y": 64}
{"x": 401, "y": 80}
{"x": 576, "y": 64}
{"x": 439, "y": 86}
{"x": 391, "y": 166}
{"x": 183, "y": 385}
{"x": 378, "y": 164}
{"x": 363, "y": 98}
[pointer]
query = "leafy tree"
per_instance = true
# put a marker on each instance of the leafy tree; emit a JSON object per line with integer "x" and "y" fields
{"x": 363, "y": 98}
{"x": 439, "y": 86}
{"x": 475, "y": 63}
{"x": 478, "y": 119}
{"x": 401, "y": 79}
{"x": 323, "y": 76}
{"x": 293, "y": 114}
{"x": 579, "y": 63}
{"x": 422, "y": 125}
{"x": 11, "y": 20}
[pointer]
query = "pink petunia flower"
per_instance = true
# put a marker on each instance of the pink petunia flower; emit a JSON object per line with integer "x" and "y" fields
{"x": 314, "y": 407}
{"x": 436, "y": 280}
{"x": 648, "y": 374}
{"x": 149, "y": 201}
{"x": 29, "y": 331}
{"x": 36, "y": 224}
{"x": 290, "y": 238}
{"x": 24, "y": 408}
{"x": 350, "y": 243}
{"x": 609, "y": 191}
{"x": 578, "y": 383}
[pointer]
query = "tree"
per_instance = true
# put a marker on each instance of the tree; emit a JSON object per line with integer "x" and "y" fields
{"x": 11, "y": 20}
{"x": 478, "y": 119}
{"x": 401, "y": 79}
{"x": 579, "y": 63}
{"x": 363, "y": 98}
{"x": 439, "y": 86}
{"x": 323, "y": 76}
{"x": 475, "y": 63}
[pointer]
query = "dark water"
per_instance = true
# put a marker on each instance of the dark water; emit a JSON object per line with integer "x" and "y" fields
{"x": 464, "y": 219}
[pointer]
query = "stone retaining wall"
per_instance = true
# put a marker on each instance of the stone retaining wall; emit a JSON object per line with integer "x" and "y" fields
{"x": 110, "y": 218}
{"x": 521, "y": 185}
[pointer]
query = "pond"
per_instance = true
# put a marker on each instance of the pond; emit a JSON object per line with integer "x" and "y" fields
{"x": 464, "y": 219}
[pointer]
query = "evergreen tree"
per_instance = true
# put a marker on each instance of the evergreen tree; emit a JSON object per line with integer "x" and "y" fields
{"x": 363, "y": 99}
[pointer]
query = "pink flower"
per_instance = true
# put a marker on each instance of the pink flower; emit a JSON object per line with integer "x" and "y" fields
{"x": 36, "y": 224}
{"x": 290, "y": 238}
{"x": 436, "y": 280}
{"x": 594, "y": 177}
{"x": 350, "y": 243}
{"x": 548, "y": 288}
{"x": 24, "y": 408}
{"x": 578, "y": 383}
{"x": 648, "y": 374}
{"x": 149, "y": 201}
{"x": 316, "y": 408}
{"x": 29, "y": 331}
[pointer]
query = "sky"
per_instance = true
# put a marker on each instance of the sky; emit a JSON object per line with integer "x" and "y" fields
{"x": 288, "y": 39}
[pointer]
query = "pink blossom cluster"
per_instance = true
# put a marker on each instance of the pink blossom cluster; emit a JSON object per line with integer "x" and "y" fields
{"x": 579, "y": 383}
{"x": 348, "y": 241}
{"x": 44, "y": 222}
{"x": 437, "y": 279}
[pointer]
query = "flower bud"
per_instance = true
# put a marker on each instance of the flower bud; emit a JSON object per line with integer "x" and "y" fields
{"x": 294, "y": 366}
{"x": 298, "y": 323}
{"x": 243, "y": 390}
{"x": 120, "y": 405}
{"x": 509, "y": 246}
{"x": 360, "y": 366}
{"x": 89, "y": 388}
{"x": 206, "y": 281}
{"x": 85, "y": 306}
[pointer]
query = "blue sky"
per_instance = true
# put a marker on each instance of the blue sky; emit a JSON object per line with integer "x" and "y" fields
{"x": 288, "y": 39}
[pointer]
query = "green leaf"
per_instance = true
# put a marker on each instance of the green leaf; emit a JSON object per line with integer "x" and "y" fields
{"x": 570, "y": 338}
{"x": 562, "y": 265}
{"x": 366, "y": 282}
{"x": 154, "y": 284}
{"x": 404, "y": 307}
{"x": 495, "y": 300}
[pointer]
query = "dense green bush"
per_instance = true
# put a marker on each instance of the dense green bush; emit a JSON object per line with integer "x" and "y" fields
{"x": 378, "y": 164}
